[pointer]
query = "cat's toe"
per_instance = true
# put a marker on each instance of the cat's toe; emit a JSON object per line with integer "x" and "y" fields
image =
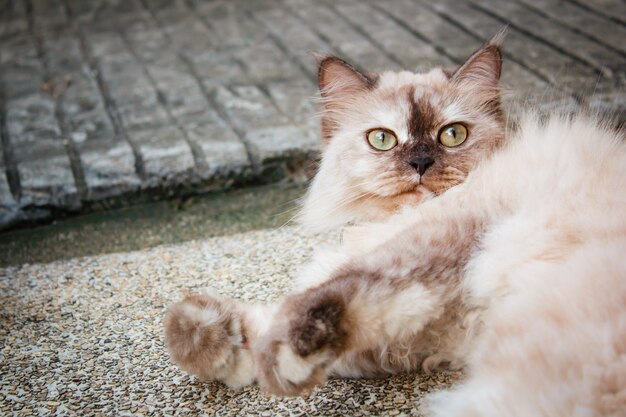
{"x": 204, "y": 338}
{"x": 294, "y": 356}
{"x": 441, "y": 360}
{"x": 282, "y": 371}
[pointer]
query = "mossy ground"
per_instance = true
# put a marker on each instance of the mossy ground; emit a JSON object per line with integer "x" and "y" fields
{"x": 153, "y": 224}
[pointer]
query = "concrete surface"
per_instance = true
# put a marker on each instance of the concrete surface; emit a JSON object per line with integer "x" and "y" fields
{"x": 104, "y": 101}
{"x": 148, "y": 225}
{"x": 84, "y": 336}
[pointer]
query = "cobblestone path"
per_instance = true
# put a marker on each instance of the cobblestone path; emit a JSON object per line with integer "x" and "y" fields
{"x": 105, "y": 101}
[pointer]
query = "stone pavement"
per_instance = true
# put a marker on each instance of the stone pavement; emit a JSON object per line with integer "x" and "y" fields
{"x": 113, "y": 100}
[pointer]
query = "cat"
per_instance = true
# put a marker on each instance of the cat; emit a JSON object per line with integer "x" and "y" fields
{"x": 359, "y": 183}
{"x": 505, "y": 256}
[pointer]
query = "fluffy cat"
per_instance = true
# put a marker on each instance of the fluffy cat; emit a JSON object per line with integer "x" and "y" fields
{"x": 357, "y": 182}
{"x": 515, "y": 270}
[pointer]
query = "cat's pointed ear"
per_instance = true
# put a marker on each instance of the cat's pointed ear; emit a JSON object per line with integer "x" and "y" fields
{"x": 339, "y": 84}
{"x": 483, "y": 68}
{"x": 337, "y": 78}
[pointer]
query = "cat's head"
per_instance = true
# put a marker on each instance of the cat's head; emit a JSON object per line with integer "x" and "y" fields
{"x": 392, "y": 139}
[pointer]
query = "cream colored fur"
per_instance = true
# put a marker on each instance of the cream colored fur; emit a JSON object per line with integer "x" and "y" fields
{"x": 551, "y": 276}
{"x": 516, "y": 272}
{"x": 349, "y": 180}
{"x": 548, "y": 280}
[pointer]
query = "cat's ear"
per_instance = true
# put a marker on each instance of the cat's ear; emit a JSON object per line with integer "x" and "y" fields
{"x": 483, "y": 68}
{"x": 339, "y": 83}
{"x": 337, "y": 78}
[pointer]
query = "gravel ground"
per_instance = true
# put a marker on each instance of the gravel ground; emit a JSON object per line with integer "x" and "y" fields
{"x": 84, "y": 336}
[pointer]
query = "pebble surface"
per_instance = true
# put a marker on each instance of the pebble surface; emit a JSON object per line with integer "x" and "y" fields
{"x": 85, "y": 336}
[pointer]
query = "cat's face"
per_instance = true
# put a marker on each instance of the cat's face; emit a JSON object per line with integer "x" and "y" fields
{"x": 395, "y": 138}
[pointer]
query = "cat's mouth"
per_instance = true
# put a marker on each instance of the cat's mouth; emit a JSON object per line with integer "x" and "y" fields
{"x": 439, "y": 187}
{"x": 413, "y": 196}
{"x": 423, "y": 184}
{"x": 422, "y": 189}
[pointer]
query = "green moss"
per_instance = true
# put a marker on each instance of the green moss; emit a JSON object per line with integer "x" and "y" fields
{"x": 148, "y": 225}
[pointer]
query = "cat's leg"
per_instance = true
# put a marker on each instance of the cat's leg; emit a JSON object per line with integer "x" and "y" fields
{"x": 209, "y": 335}
{"x": 381, "y": 297}
{"x": 349, "y": 313}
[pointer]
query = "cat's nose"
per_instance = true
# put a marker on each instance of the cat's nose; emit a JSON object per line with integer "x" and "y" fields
{"x": 421, "y": 163}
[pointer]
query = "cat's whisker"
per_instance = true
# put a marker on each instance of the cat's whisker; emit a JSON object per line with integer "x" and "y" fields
{"x": 290, "y": 221}
{"x": 291, "y": 218}
{"x": 341, "y": 204}
{"x": 352, "y": 199}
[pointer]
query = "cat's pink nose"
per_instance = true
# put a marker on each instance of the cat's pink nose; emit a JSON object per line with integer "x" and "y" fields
{"x": 421, "y": 163}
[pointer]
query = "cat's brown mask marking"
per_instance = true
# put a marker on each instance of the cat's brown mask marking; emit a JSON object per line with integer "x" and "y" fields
{"x": 423, "y": 121}
{"x": 357, "y": 182}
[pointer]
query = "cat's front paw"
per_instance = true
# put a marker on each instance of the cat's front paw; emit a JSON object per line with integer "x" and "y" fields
{"x": 204, "y": 337}
{"x": 295, "y": 354}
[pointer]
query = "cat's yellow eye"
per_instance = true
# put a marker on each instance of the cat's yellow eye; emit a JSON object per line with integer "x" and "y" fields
{"x": 453, "y": 135}
{"x": 382, "y": 140}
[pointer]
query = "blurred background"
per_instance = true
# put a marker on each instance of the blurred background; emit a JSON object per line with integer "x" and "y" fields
{"x": 130, "y": 123}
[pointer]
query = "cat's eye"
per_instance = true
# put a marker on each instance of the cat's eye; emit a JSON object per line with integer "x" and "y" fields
{"x": 380, "y": 139}
{"x": 453, "y": 135}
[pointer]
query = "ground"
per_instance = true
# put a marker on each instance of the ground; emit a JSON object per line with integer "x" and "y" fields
{"x": 85, "y": 336}
{"x": 110, "y": 103}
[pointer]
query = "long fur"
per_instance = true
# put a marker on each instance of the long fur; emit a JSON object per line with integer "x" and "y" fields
{"x": 507, "y": 258}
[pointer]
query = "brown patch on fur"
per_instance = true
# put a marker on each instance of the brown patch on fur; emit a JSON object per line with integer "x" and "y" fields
{"x": 448, "y": 252}
{"x": 318, "y": 325}
{"x": 562, "y": 244}
{"x": 318, "y": 317}
{"x": 423, "y": 120}
{"x": 327, "y": 128}
{"x": 245, "y": 338}
{"x": 198, "y": 347}
{"x": 311, "y": 323}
